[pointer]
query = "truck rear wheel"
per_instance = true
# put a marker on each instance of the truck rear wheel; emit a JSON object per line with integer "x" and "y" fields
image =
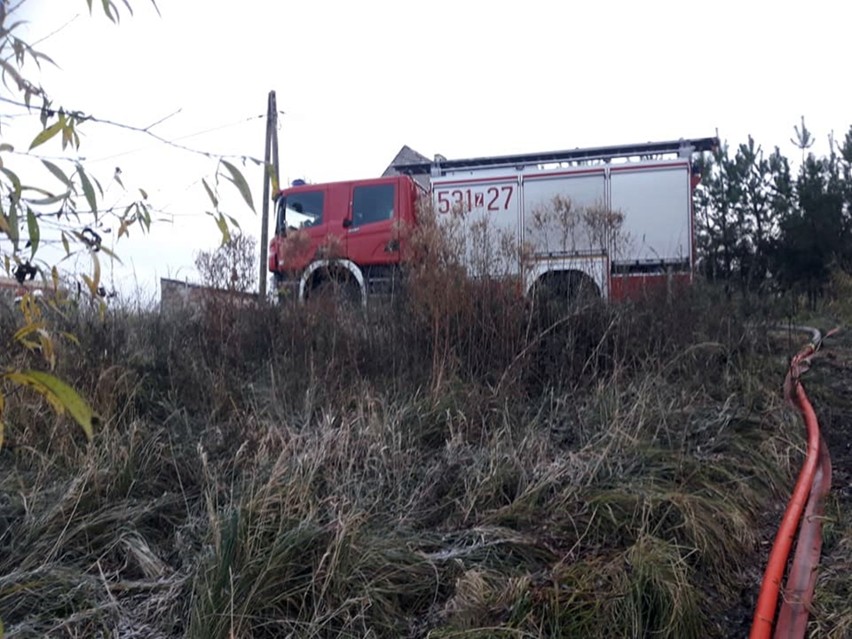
{"x": 558, "y": 292}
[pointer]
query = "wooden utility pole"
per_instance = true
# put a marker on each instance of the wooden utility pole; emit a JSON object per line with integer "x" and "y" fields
{"x": 270, "y": 175}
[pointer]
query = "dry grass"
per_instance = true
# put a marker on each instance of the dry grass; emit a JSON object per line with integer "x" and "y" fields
{"x": 459, "y": 472}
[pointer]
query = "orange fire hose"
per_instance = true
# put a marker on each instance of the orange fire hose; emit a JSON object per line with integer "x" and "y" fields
{"x": 807, "y": 553}
{"x": 793, "y": 617}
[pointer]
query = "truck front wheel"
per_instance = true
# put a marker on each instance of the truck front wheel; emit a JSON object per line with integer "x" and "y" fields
{"x": 342, "y": 293}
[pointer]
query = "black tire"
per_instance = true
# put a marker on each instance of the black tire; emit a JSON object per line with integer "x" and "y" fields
{"x": 558, "y": 293}
{"x": 342, "y": 294}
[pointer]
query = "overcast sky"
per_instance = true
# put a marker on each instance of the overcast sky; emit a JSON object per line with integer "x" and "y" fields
{"x": 357, "y": 80}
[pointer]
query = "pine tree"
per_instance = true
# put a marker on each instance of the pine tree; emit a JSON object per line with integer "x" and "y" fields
{"x": 757, "y": 218}
{"x": 814, "y": 235}
{"x": 738, "y": 218}
{"x": 720, "y": 231}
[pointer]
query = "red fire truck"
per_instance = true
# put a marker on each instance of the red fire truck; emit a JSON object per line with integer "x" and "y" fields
{"x": 610, "y": 220}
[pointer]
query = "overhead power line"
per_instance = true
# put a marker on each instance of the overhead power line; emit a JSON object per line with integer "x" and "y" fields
{"x": 188, "y": 136}
{"x": 147, "y": 131}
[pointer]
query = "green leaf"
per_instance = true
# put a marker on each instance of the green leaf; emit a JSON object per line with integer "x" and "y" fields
{"x": 58, "y": 173}
{"x": 9, "y": 69}
{"x": 46, "y": 134}
{"x": 32, "y": 227}
{"x": 210, "y": 193}
{"x": 6, "y": 147}
{"x": 65, "y": 244}
{"x": 240, "y": 182}
{"x": 36, "y": 189}
{"x": 111, "y": 254}
{"x": 143, "y": 215}
{"x": 15, "y": 180}
{"x": 59, "y": 394}
{"x": 38, "y": 55}
{"x": 88, "y": 190}
{"x": 13, "y": 224}
{"x": 107, "y": 4}
{"x": 53, "y": 199}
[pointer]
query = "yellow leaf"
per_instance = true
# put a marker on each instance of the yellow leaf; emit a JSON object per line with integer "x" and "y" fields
{"x": 46, "y": 134}
{"x": 70, "y": 337}
{"x": 93, "y": 288}
{"x": 47, "y": 350}
{"x": 29, "y": 307}
{"x": 24, "y": 380}
{"x": 2, "y": 425}
{"x": 28, "y": 343}
{"x": 27, "y": 330}
{"x": 60, "y": 395}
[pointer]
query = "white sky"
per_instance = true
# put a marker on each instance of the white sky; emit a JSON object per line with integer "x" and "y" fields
{"x": 357, "y": 80}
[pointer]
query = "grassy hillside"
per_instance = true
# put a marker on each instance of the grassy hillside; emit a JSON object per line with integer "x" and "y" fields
{"x": 448, "y": 466}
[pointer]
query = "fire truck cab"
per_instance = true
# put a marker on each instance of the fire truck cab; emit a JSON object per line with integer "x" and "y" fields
{"x": 342, "y": 233}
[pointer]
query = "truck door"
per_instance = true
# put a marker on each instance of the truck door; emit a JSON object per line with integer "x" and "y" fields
{"x": 656, "y": 200}
{"x": 485, "y": 214}
{"x": 369, "y": 230}
{"x": 559, "y": 212}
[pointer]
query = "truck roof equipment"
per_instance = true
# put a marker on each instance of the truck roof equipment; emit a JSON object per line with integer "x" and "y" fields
{"x": 681, "y": 148}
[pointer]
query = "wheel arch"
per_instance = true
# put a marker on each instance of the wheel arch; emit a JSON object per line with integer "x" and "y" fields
{"x": 595, "y": 270}
{"x": 320, "y": 270}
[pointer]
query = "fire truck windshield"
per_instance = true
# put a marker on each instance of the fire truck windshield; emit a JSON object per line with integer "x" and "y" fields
{"x": 289, "y": 218}
{"x": 300, "y": 210}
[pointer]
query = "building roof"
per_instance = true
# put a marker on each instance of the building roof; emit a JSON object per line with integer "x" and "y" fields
{"x": 406, "y": 155}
